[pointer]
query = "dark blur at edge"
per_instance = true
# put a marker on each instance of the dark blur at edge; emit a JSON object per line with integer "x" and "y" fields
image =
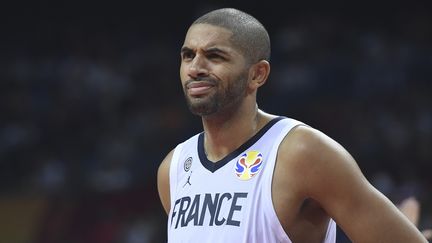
{"x": 91, "y": 102}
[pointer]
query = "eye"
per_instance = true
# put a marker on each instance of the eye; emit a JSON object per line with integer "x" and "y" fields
{"x": 215, "y": 56}
{"x": 188, "y": 55}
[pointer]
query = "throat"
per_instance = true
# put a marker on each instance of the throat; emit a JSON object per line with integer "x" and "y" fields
{"x": 215, "y": 152}
{"x": 220, "y": 144}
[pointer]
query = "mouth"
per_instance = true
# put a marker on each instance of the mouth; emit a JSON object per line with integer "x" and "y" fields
{"x": 199, "y": 88}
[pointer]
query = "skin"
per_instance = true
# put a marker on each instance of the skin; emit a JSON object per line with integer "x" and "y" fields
{"x": 411, "y": 208}
{"x": 315, "y": 177}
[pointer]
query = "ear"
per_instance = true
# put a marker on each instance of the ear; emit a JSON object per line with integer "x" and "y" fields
{"x": 259, "y": 73}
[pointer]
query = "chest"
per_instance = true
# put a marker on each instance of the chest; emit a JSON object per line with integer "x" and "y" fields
{"x": 236, "y": 195}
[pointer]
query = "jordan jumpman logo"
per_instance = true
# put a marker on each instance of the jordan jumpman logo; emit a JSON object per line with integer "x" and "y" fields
{"x": 188, "y": 180}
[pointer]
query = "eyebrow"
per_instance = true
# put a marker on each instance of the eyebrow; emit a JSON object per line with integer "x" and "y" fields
{"x": 185, "y": 49}
{"x": 209, "y": 50}
{"x": 217, "y": 50}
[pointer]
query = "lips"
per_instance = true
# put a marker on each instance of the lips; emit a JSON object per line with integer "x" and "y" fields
{"x": 197, "y": 88}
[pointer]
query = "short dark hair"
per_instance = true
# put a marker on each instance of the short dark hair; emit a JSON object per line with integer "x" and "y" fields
{"x": 249, "y": 35}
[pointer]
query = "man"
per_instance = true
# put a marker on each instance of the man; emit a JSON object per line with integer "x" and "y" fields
{"x": 255, "y": 177}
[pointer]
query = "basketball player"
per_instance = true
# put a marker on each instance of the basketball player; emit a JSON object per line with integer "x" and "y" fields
{"x": 256, "y": 177}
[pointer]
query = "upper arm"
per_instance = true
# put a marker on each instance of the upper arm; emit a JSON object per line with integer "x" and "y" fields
{"x": 336, "y": 182}
{"x": 163, "y": 182}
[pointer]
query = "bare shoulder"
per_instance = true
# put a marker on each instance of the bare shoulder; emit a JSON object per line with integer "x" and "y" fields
{"x": 309, "y": 139}
{"x": 319, "y": 165}
{"x": 163, "y": 181}
{"x": 327, "y": 173}
{"x": 306, "y": 160}
{"x": 165, "y": 164}
{"x": 311, "y": 151}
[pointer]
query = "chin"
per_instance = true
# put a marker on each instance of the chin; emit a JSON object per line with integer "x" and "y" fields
{"x": 202, "y": 109}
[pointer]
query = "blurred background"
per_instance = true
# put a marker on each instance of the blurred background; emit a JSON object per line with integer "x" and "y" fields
{"x": 91, "y": 102}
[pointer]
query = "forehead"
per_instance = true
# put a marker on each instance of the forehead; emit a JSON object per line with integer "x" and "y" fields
{"x": 206, "y": 35}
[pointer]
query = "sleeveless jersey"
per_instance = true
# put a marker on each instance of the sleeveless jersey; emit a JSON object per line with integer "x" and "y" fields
{"x": 228, "y": 201}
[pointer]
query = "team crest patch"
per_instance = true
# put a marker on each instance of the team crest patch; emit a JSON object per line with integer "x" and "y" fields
{"x": 187, "y": 164}
{"x": 248, "y": 165}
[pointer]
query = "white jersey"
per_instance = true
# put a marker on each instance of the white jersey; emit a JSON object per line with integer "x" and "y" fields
{"x": 230, "y": 200}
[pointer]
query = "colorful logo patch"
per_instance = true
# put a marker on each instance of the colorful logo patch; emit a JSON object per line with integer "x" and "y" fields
{"x": 248, "y": 165}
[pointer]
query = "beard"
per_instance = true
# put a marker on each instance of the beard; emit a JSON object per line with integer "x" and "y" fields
{"x": 223, "y": 98}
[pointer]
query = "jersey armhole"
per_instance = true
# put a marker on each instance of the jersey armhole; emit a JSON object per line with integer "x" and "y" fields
{"x": 173, "y": 173}
{"x": 282, "y": 235}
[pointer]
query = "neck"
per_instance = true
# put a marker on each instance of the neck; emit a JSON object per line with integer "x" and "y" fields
{"x": 226, "y": 132}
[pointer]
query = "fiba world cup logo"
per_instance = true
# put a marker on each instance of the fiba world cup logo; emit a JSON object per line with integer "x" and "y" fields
{"x": 248, "y": 165}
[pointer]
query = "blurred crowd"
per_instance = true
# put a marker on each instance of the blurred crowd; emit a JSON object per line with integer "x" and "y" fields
{"x": 88, "y": 111}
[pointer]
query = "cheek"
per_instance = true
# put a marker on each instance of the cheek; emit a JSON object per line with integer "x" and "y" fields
{"x": 183, "y": 74}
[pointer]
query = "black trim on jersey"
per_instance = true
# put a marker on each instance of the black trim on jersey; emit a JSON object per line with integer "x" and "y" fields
{"x": 213, "y": 166}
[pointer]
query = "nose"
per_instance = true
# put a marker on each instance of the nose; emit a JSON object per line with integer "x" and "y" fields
{"x": 198, "y": 67}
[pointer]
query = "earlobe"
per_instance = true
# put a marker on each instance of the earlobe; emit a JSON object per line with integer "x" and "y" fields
{"x": 260, "y": 73}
